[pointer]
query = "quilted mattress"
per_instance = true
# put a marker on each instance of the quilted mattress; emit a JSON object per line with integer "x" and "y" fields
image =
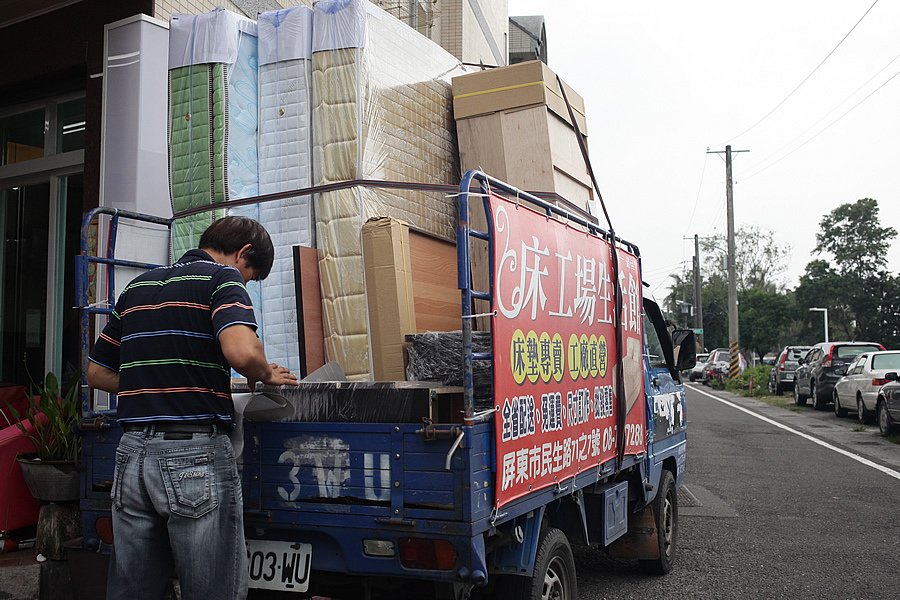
{"x": 213, "y": 117}
{"x": 285, "y": 49}
{"x": 376, "y": 115}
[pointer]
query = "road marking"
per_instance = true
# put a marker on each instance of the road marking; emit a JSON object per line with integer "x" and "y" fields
{"x": 815, "y": 440}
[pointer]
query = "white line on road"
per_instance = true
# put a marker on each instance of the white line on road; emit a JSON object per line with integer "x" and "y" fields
{"x": 806, "y": 436}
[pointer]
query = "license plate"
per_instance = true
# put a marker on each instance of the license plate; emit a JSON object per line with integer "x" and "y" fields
{"x": 279, "y": 565}
{"x": 788, "y": 376}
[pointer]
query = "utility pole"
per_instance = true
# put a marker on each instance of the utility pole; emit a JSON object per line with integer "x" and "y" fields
{"x": 733, "y": 333}
{"x": 698, "y": 298}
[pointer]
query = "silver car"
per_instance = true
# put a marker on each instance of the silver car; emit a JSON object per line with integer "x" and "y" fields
{"x": 863, "y": 378}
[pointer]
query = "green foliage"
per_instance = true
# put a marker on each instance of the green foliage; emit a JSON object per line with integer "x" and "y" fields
{"x": 741, "y": 384}
{"x": 851, "y": 233}
{"x": 759, "y": 259}
{"x": 861, "y": 299}
{"x": 763, "y": 315}
{"x": 52, "y": 418}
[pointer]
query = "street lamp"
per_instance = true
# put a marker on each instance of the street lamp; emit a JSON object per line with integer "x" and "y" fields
{"x": 822, "y": 310}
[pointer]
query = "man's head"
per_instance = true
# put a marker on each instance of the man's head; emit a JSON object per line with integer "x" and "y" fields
{"x": 243, "y": 240}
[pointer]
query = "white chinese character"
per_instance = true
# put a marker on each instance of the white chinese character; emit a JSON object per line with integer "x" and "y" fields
{"x": 564, "y": 309}
{"x": 586, "y": 288}
{"x": 509, "y": 469}
{"x": 522, "y": 465}
{"x": 604, "y": 293}
{"x": 546, "y": 458}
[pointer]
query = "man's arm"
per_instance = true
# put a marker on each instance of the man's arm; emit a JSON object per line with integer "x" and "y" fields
{"x": 245, "y": 353}
{"x": 102, "y": 378}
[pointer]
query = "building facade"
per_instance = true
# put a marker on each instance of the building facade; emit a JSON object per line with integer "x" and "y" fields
{"x": 51, "y": 147}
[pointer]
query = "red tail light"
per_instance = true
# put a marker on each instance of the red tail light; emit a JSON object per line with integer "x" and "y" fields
{"x": 782, "y": 361}
{"x": 827, "y": 361}
{"x": 418, "y": 553}
{"x": 877, "y": 382}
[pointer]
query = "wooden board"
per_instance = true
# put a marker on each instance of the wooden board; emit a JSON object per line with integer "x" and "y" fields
{"x": 310, "y": 330}
{"x": 436, "y": 299}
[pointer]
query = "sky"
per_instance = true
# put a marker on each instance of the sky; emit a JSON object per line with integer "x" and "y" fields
{"x": 663, "y": 81}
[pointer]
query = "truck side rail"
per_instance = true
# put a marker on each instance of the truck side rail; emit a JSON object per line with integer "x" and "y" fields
{"x": 104, "y": 306}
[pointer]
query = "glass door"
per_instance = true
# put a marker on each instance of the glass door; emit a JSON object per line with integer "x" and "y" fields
{"x": 24, "y": 218}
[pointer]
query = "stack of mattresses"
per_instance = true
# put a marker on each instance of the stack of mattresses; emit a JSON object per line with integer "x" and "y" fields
{"x": 381, "y": 110}
{"x": 213, "y": 115}
{"x": 285, "y": 52}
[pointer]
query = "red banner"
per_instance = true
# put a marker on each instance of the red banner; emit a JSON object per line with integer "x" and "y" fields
{"x": 555, "y": 351}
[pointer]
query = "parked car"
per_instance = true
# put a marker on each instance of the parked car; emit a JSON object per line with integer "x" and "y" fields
{"x": 816, "y": 376}
{"x": 717, "y": 364}
{"x": 888, "y": 404}
{"x": 781, "y": 377}
{"x": 699, "y": 367}
{"x": 863, "y": 379}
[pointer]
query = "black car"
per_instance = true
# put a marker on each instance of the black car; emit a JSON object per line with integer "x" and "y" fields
{"x": 815, "y": 377}
{"x": 782, "y": 375}
{"x": 887, "y": 406}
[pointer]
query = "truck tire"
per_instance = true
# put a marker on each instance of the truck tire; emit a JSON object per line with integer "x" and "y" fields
{"x": 665, "y": 514}
{"x": 554, "y": 573}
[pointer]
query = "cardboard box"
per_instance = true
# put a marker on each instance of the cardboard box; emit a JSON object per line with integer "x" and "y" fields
{"x": 513, "y": 124}
{"x": 410, "y": 287}
{"x": 521, "y": 85}
{"x": 385, "y": 246}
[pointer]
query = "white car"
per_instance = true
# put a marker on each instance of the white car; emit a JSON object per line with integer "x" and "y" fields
{"x": 698, "y": 372}
{"x": 859, "y": 386}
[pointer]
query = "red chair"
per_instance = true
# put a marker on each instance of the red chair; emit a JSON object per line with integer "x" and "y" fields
{"x": 17, "y": 507}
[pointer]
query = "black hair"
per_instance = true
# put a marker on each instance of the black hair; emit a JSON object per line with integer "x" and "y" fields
{"x": 229, "y": 234}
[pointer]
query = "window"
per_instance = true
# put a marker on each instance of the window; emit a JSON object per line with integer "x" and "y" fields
{"x": 852, "y": 351}
{"x": 70, "y": 128}
{"x": 885, "y": 361}
{"x": 653, "y": 345}
{"x": 22, "y": 137}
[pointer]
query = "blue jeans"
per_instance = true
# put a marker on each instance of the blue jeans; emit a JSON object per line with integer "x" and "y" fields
{"x": 177, "y": 509}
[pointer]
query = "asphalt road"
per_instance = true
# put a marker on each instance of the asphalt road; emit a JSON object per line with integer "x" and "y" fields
{"x": 767, "y": 513}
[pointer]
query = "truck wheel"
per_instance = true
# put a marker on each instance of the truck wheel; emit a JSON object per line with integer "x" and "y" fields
{"x": 554, "y": 573}
{"x": 665, "y": 514}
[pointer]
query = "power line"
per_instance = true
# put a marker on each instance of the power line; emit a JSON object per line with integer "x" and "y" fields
{"x": 699, "y": 189}
{"x": 872, "y": 93}
{"x": 805, "y": 79}
{"x": 823, "y": 117}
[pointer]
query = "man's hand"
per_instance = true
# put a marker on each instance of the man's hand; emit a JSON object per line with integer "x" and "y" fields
{"x": 277, "y": 375}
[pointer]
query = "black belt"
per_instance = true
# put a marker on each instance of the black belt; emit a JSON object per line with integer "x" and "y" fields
{"x": 173, "y": 427}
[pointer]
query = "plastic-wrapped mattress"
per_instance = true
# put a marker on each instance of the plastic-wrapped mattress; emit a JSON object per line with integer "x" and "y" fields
{"x": 381, "y": 110}
{"x": 213, "y": 113}
{"x": 285, "y": 49}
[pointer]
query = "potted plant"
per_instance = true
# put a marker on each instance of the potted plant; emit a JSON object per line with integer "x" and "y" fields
{"x": 49, "y": 420}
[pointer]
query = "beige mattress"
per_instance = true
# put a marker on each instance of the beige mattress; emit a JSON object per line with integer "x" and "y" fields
{"x": 376, "y": 115}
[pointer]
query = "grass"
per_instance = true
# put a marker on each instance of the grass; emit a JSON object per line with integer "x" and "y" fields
{"x": 860, "y": 428}
{"x": 894, "y": 437}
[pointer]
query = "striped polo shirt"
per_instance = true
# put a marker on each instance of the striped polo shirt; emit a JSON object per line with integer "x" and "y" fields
{"x": 162, "y": 339}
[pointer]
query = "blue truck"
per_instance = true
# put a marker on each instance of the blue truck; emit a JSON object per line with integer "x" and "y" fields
{"x": 466, "y": 489}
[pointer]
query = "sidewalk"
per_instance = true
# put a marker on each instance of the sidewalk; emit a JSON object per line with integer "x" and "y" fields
{"x": 20, "y": 575}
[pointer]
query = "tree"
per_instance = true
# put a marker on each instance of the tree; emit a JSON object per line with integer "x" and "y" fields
{"x": 763, "y": 315}
{"x": 852, "y": 235}
{"x": 759, "y": 258}
{"x": 861, "y": 298}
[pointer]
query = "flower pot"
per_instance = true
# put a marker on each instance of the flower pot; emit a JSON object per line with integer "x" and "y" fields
{"x": 50, "y": 481}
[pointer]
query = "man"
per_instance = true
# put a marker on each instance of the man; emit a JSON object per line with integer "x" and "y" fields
{"x": 167, "y": 352}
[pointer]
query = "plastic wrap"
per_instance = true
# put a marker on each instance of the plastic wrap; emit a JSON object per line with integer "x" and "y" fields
{"x": 381, "y": 110}
{"x": 213, "y": 114}
{"x": 438, "y": 356}
{"x": 285, "y": 51}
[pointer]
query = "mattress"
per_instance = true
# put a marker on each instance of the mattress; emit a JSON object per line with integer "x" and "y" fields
{"x": 213, "y": 117}
{"x": 284, "y": 164}
{"x": 376, "y": 115}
